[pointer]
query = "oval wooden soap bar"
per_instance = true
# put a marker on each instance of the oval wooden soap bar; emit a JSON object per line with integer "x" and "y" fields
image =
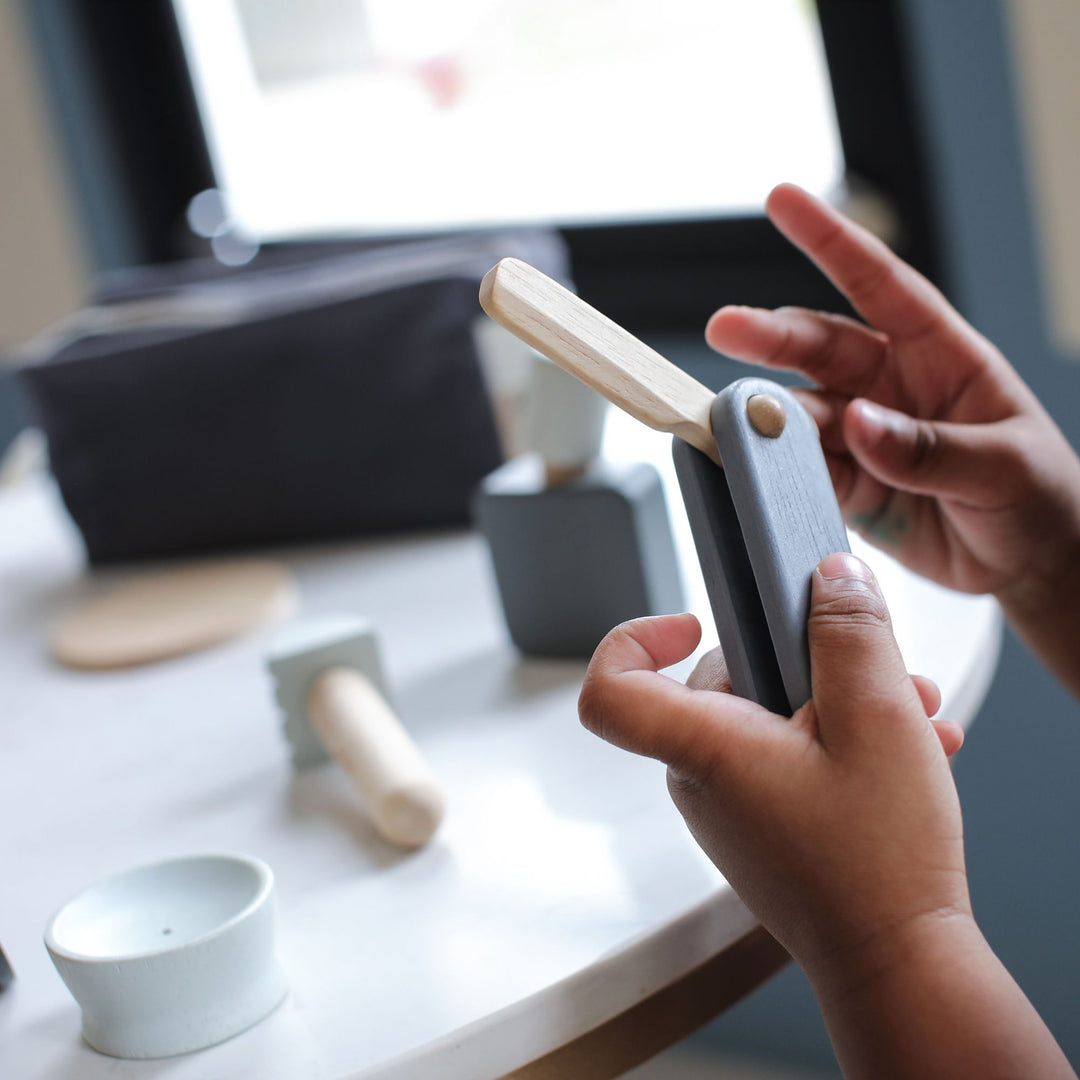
{"x": 173, "y": 612}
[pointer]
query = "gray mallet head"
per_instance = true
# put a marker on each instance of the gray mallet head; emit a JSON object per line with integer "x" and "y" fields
{"x": 300, "y": 654}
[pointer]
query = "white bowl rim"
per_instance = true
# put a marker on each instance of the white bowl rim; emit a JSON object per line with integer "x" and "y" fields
{"x": 264, "y": 876}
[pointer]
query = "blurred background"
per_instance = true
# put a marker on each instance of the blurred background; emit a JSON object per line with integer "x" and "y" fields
{"x": 151, "y": 133}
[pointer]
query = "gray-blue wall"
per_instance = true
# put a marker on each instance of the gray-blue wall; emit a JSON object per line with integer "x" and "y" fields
{"x": 1018, "y": 774}
{"x": 12, "y": 410}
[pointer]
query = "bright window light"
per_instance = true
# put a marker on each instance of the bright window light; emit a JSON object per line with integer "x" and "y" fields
{"x": 332, "y": 117}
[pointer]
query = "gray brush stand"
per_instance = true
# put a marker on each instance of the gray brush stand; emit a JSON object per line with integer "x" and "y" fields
{"x": 578, "y": 545}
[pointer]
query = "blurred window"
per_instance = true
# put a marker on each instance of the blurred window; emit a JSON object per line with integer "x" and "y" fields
{"x": 326, "y": 117}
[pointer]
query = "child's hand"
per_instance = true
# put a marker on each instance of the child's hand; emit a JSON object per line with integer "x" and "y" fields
{"x": 938, "y": 451}
{"x": 839, "y": 828}
{"x": 836, "y": 826}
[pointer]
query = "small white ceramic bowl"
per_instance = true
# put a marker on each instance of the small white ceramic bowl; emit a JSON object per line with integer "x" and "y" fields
{"x": 170, "y": 957}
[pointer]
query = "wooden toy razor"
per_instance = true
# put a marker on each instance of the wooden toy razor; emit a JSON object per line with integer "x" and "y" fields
{"x": 750, "y": 466}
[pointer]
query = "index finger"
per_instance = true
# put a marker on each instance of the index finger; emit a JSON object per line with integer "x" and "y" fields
{"x": 889, "y": 294}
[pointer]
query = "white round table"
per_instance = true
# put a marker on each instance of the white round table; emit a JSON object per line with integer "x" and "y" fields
{"x": 563, "y": 922}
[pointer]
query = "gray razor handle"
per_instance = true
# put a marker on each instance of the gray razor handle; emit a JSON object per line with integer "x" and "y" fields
{"x": 761, "y": 524}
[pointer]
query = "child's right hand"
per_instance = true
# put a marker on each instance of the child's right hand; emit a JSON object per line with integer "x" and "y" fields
{"x": 939, "y": 452}
{"x": 839, "y": 827}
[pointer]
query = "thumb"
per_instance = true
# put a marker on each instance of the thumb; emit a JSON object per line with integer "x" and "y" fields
{"x": 929, "y": 457}
{"x": 627, "y": 702}
{"x": 857, "y": 674}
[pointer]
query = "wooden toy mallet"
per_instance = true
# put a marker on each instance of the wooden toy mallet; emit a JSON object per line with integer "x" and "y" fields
{"x": 761, "y": 523}
{"x": 330, "y": 685}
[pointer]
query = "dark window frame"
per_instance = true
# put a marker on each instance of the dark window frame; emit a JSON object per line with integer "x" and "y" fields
{"x": 134, "y": 142}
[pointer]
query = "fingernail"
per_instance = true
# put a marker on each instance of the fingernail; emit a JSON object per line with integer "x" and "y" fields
{"x": 876, "y": 421}
{"x": 757, "y": 315}
{"x": 843, "y": 566}
{"x": 871, "y": 413}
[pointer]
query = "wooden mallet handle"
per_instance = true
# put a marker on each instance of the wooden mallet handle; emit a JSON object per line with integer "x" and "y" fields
{"x": 599, "y": 352}
{"x": 362, "y": 734}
